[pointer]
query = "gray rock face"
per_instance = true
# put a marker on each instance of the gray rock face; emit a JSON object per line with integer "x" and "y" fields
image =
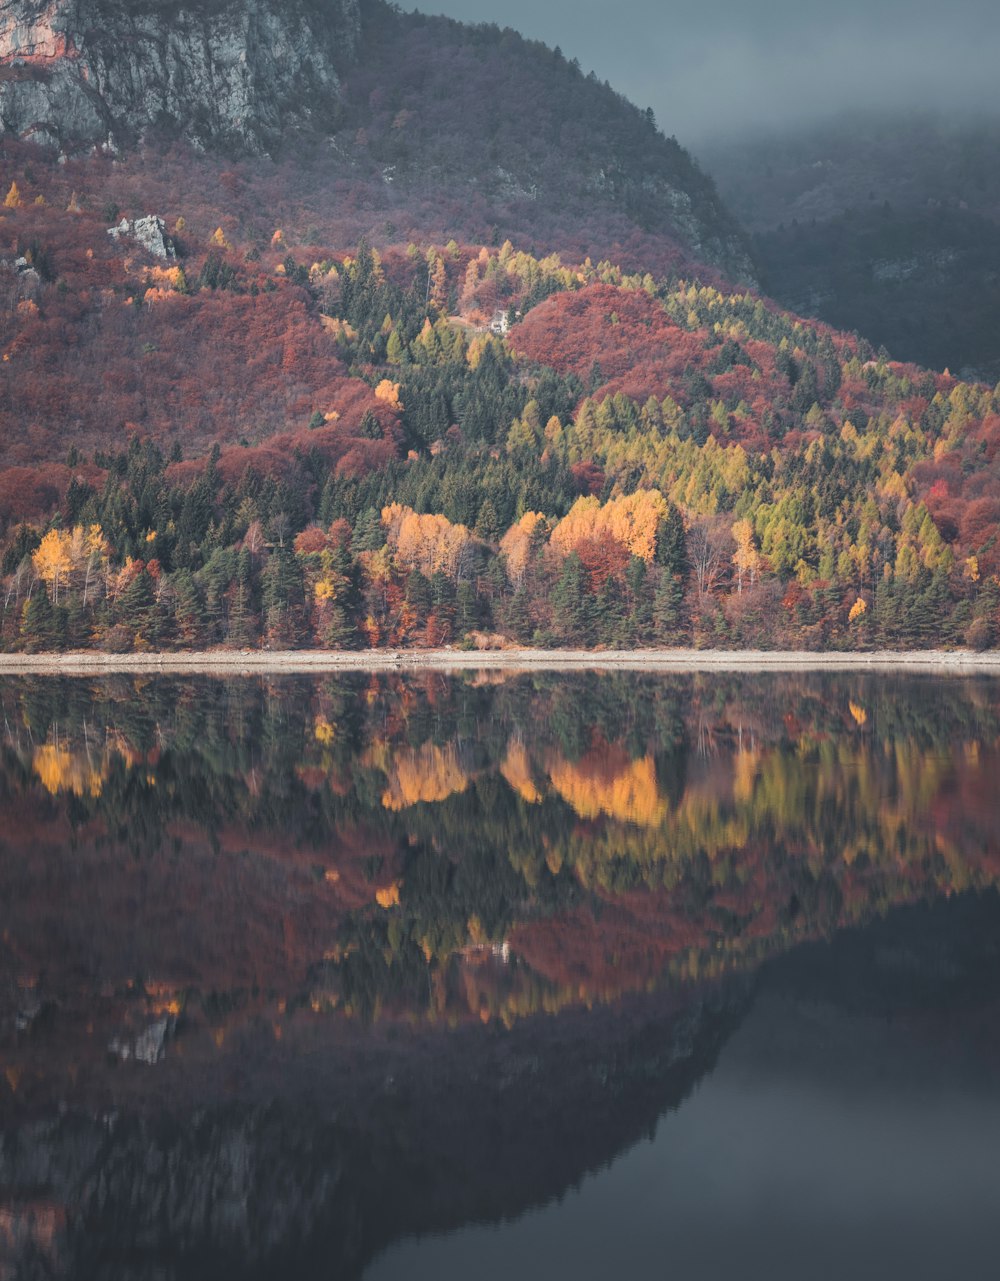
{"x": 150, "y": 232}
{"x": 236, "y": 72}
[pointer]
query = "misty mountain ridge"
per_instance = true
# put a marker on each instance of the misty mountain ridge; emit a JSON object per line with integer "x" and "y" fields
{"x": 884, "y": 222}
{"x": 913, "y": 159}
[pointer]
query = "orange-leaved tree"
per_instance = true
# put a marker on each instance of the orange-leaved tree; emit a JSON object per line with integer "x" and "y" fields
{"x": 631, "y": 521}
{"x": 521, "y": 542}
{"x": 430, "y": 544}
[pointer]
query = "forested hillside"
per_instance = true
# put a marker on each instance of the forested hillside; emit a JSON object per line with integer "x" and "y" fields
{"x": 277, "y": 445}
{"x": 341, "y": 402}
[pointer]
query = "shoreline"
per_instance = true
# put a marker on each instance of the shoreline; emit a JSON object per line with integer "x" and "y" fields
{"x": 305, "y": 662}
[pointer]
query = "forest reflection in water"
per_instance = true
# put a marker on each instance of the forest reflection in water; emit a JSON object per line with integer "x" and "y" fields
{"x": 360, "y": 926}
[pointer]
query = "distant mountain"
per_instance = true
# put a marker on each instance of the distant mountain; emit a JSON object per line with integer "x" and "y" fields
{"x": 923, "y": 283}
{"x": 912, "y": 160}
{"x": 889, "y": 225}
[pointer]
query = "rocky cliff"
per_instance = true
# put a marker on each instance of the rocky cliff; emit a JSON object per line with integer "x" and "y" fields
{"x": 237, "y": 72}
{"x": 453, "y": 131}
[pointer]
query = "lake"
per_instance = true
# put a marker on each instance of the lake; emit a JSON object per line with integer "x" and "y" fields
{"x": 426, "y": 976}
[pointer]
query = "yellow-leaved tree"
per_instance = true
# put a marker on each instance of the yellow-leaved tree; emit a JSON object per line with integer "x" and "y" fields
{"x": 746, "y": 558}
{"x": 632, "y": 521}
{"x": 388, "y": 393}
{"x": 521, "y": 542}
{"x": 65, "y": 554}
{"x": 53, "y": 561}
{"x": 430, "y": 544}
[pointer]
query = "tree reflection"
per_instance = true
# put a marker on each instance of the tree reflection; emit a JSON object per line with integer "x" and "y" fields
{"x": 306, "y": 890}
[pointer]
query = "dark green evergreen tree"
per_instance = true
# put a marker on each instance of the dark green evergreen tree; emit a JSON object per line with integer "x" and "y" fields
{"x": 572, "y": 605}
{"x": 43, "y": 625}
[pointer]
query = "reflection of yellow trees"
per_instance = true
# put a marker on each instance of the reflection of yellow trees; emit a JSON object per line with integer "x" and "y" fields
{"x": 842, "y": 827}
{"x": 628, "y": 793}
{"x": 426, "y": 774}
{"x": 388, "y": 897}
{"x": 116, "y": 744}
{"x": 516, "y": 769}
{"x": 604, "y": 783}
{"x": 65, "y": 766}
{"x": 825, "y": 803}
{"x": 765, "y": 848}
{"x": 60, "y": 770}
{"x": 659, "y": 854}
{"x": 323, "y": 731}
{"x": 744, "y": 773}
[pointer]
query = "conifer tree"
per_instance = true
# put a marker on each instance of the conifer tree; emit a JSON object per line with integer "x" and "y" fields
{"x": 42, "y": 624}
{"x": 570, "y": 605}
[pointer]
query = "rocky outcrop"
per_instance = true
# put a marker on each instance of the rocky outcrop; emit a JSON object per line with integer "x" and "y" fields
{"x": 236, "y": 72}
{"x": 150, "y": 232}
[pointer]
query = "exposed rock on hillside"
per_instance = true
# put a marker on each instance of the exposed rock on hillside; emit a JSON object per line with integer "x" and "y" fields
{"x": 439, "y": 124}
{"x": 238, "y": 72}
{"x": 150, "y": 232}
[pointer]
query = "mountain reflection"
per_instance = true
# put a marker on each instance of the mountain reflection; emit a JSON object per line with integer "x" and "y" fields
{"x": 357, "y": 902}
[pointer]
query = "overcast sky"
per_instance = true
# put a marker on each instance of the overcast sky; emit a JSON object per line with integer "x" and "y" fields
{"x": 715, "y": 67}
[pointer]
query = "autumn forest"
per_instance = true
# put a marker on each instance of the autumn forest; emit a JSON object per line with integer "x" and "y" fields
{"x": 322, "y": 421}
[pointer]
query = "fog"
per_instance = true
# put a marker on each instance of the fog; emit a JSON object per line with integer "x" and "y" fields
{"x": 717, "y": 71}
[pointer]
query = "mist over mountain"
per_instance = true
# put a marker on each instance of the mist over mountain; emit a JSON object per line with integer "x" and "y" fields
{"x": 736, "y": 69}
{"x": 914, "y": 159}
{"x": 883, "y": 222}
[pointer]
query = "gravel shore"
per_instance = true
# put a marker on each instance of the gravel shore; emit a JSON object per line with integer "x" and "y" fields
{"x": 238, "y": 662}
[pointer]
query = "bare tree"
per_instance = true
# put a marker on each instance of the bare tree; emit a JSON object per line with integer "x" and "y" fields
{"x": 709, "y": 545}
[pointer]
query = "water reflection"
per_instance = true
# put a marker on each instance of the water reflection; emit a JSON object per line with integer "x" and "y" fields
{"x": 280, "y": 958}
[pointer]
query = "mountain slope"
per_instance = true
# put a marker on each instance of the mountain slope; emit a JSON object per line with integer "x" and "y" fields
{"x": 434, "y": 126}
{"x": 239, "y": 423}
{"x": 441, "y": 106}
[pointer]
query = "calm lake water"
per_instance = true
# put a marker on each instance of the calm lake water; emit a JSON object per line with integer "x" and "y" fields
{"x": 577, "y": 976}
